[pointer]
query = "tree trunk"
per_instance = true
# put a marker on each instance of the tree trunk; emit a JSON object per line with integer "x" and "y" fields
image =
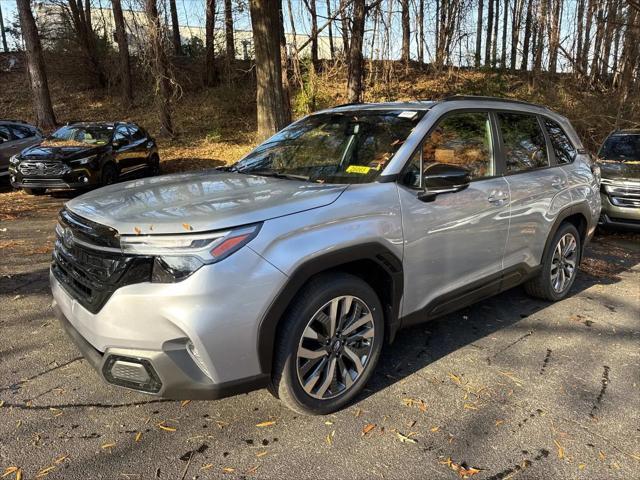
{"x": 160, "y": 65}
{"x": 175, "y": 28}
{"x": 354, "y": 75}
{"x": 210, "y": 72}
{"x": 584, "y": 61}
{"x": 406, "y": 31}
{"x": 597, "y": 45}
{"x": 526, "y": 42}
{"x": 478, "y": 33}
{"x": 331, "y": 47}
{"x": 37, "y": 74}
{"x": 542, "y": 19}
{"x": 420, "y": 32}
{"x": 487, "y": 51}
{"x": 284, "y": 63}
{"x": 516, "y": 23}
{"x": 81, "y": 19}
{"x": 271, "y": 109}
{"x": 123, "y": 52}
{"x": 230, "y": 44}
{"x": 554, "y": 35}
{"x": 5, "y": 47}
{"x": 505, "y": 18}
{"x": 579, "y": 34}
{"x": 344, "y": 20}
{"x": 311, "y": 6}
{"x": 630, "y": 56}
{"x": 612, "y": 13}
{"x": 494, "y": 45}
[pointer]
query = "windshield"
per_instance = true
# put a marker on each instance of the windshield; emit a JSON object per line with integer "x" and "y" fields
{"x": 621, "y": 147}
{"x": 77, "y": 135}
{"x": 344, "y": 147}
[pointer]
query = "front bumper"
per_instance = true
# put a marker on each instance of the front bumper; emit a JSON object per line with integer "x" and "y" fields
{"x": 619, "y": 216}
{"x": 215, "y": 311}
{"x": 69, "y": 178}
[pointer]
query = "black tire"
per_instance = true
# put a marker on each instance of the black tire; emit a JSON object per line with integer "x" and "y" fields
{"x": 319, "y": 292}
{"x": 154, "y": 167}
{"x": 35, "y": 191}
{"x": 109, "y": 174}
{"x": 542, "y": 286}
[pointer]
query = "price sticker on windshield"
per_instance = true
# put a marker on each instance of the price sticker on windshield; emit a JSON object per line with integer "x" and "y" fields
{"x": 361, "y": 169}
{"x": 407, "y": 114}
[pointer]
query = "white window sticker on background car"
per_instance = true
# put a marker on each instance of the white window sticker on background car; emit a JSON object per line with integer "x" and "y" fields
{"x": 407, "y": 114}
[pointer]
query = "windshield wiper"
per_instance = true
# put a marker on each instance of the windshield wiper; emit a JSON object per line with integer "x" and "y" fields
{"x": 274, "y": 174}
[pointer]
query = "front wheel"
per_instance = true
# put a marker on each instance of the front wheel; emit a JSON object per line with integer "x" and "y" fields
{"x": 559, "y": 267}
{"x": 109, "y": 174}
{"x": 329, "y": 344}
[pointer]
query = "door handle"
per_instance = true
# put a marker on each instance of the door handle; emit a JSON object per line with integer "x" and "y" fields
{"x": 558, "y": 182}
{"x": 497, "y": 197}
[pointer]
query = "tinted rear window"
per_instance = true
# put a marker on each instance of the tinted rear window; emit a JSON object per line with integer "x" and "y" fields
{"x": 621, "y": 147}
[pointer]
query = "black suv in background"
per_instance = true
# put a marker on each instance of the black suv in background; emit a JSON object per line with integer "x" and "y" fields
{"x": 619, "y": 160}
{"x": 85, "y": 154}
{"x": 15, "y": 136}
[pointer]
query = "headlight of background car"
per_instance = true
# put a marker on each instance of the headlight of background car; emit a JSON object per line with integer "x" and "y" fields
{"x": 178, "y": 256}
{"x": 83, "y": 161}
{"x": 14, "y": 160}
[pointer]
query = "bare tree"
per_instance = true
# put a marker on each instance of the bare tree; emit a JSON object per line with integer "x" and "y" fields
{"x": 175, "y": 28}
{"x": 311, "y": 7}
{"x": 210, "y": 72}
{"x": 516, "y": 24}
{"x": 420, "y": 32}
{"x": 5, "y": 47}
{"x": 554, "y": 34}
{"x": 505, "y": 18}
{"x": 579, "y": 32}
{"x": 539, "y": 44}
{"x": 479, "y": 33}
{"x": 354, "y": 74}
{"x": 494, "y": 40}
{"x": 406, "y": 31}
{"x": 160, "y": 66}
{"x": 265, "y": 20}
{"x": 344, "y": 20}
{"x": 487, "y": 51}
{"x": 230, "y": 44}
{"x": 331, "y": 46}
{"x": 81, "y": 20}
{"x": 526, "y": 42}
{"x": 123, "y": 52}
{"x": 37, "y": 74}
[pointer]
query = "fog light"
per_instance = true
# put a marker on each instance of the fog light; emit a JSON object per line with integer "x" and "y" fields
{"x": 195, "y": 355}
{"x": 84, "y": 179}
{"x": 135, "y": 373}
{"x": 13, "y": 179}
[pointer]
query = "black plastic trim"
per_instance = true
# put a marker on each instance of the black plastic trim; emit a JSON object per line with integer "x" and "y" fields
{"x": 376, "y": 252}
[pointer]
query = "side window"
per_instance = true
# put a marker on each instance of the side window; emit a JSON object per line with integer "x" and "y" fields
{"x": 525, "y": 147}
{"x": 136, "y": 133}
{"x": 121, "y": 136}
{"x": 462, "y": 139}
{"x": 4, "y": 134}
{"x": 562, "y": 146}
{"x": 21, "y": 132}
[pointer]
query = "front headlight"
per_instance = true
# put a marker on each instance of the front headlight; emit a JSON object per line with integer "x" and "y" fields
{"x": 178, "y": 256}
{"x": 83, "y": 161}
{"x": 14, "y": 160}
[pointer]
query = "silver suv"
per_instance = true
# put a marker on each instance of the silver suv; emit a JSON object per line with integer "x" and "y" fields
{"x": 291, "y": 268}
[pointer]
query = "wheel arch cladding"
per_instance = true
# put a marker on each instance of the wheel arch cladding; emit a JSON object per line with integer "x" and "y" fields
{"x": 578, "y": 216}
{"x": 372, "y": 262}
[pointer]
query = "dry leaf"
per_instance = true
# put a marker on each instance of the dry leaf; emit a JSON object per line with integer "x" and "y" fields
{"x": 455, "y": 378}
{"x": 367, "y": 428}
{"x": 499, "y": 422}
{"x": 186, "y": 226}
{"x": 405, "y": 438}
{"x": 137, "y": 230}
{"x": 266, "y": 424}
{"x": 138, "y": 436}
{"x": 560, "y": 449}
{"x": 635, "y": 456}
{"x": 108, "y": 445}
{"x": 358, "y": 413}
{"x": 470, "y": 406}
{"x": 329, "y": 438}
{"x": 164, "y": 427}
{"x": 44, "y": 472}
{"x": 228, "y": 470}
{"x": 206, "y": 467}
{"x": 328, "y": 423}
{"x": 252, "y": 470}
{"x": 261, "y": 454}
{"x": 435, "y": 429}
{"x": 1, "y": 403}
{"x": 60, "y": 459}
{"x": 462, "y": 469}
{"x": 185, "y": 403}
{"x": 582, "y": 466}
{"x": 601, "y": 455}
{"x": 9, "y": 470}
{"x": 56, "y": 411}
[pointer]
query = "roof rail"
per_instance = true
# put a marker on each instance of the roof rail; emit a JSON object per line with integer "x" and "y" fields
{"x": 491, "y": 99}
{"x": 348, "y": 104}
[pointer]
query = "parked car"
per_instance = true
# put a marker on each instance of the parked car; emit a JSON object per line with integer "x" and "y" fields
{"x": 85, "y": 154}
{"x": 619, "y": 160}
{"x": 15, "y": 135}
{"x": 291, "y": 268}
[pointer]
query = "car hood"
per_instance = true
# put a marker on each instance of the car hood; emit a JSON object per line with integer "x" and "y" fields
{"x": 199, "y": 201}
{"x": 619, "y": 170}
{"x": 40, "y": 152}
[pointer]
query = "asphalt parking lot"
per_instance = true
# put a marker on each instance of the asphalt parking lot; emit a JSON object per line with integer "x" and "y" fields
{"x": 509, "y": 388}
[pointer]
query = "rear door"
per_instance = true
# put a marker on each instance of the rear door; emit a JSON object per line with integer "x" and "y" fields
{"x": 139, "y": 146}
{"x": 537, "y": 183}
{"x": 124, "y": 151}
{"x": 454, "y": 245}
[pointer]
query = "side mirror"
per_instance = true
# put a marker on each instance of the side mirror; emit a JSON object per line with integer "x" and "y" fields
{"x": 442, "y": 178}
{"x": 117, "y": 144}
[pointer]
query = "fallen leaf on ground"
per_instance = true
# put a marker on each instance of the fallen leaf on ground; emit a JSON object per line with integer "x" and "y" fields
{"x": 455, "y": 378}
{"x": 206, "y": 467}
{"x": 185, "y": 403}
{"x": 44, "y": 472}
{"x": 138, "y": 436}
{"x": 166, "y": 428}
{"x": 261, "y": 454}
{"x": 435, "y": 429}
{"x": 252, "y": 470}
{"x": 405, "y": 438}
{"x": 266, "y": 424}
{"x": 461, "y": 469}
{"x": 358, "y": 413}
{"x": 228, "y": 470}
{"x": 560, "y": 449}
{"x": 9, "y": 470}
{"x": 108, "y": 445}
{"x": 329, "y": 438}
{"x": 499, "y": 422}
{"x": 470, "y": 406}
{"x": 328, "y": 423}
{"x": 601, "y": 455}
{"x": 60, "y": 459}
{"x": 367, "y": 428}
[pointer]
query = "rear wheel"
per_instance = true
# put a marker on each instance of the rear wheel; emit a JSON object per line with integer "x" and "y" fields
{"x": 109, "y": 174}
{"x": 559, "y": 267}
{"x": 329, "y": 344}
{"x": 155, "y": 165}
{"x": 35, "y": 191}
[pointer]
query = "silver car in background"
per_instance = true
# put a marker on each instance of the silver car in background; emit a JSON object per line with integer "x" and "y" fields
{"x": 291, "y": 268}
{"x": 15, "y": 136}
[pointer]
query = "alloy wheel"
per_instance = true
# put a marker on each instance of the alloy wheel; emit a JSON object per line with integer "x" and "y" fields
{"x": 563, "y": 262}
{"x": 335, "y": 347}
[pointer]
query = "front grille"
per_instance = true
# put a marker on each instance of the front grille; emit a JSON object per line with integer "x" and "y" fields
{"x": 624, "y": 195}
{"x": 43, "y": 169}
{"x": 90, "y": 271}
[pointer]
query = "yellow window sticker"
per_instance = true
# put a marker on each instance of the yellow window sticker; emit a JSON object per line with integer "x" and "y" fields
{"x": 361, "y": 169}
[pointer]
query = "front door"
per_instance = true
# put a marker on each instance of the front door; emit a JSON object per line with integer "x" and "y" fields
{"x": 454, "y": 245}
